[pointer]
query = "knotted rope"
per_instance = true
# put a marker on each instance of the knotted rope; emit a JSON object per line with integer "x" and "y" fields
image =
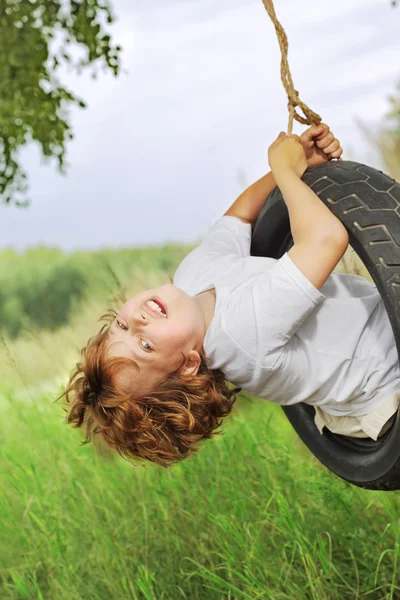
{"x": 310, "y": 116}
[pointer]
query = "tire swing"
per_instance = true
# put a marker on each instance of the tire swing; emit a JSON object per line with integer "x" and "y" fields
{"x": 367, "y": 202}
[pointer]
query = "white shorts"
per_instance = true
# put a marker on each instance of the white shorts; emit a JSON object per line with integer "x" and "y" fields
{"x": 370, "y": 426}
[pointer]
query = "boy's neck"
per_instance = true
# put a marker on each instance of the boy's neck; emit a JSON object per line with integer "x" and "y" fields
{"x": 206, "y": 301}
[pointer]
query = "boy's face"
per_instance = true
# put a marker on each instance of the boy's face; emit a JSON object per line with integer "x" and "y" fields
{"x": 155, "y": 341}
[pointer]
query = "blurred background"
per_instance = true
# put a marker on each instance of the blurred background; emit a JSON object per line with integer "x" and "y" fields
{"x": 143, "y": 139}
{"x": 126, "y": 129}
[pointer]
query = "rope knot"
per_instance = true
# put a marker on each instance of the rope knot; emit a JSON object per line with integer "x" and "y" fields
{"x": 293, "y": 101}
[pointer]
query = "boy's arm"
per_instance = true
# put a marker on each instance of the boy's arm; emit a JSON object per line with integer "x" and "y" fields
{"x": 320, "y": 239}
{"x": 250, "y": 202}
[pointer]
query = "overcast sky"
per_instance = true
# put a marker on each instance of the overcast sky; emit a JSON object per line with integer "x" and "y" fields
{"x": 161, "y": 152}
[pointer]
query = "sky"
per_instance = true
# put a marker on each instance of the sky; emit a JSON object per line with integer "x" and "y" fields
{"x": 163, "y": 150}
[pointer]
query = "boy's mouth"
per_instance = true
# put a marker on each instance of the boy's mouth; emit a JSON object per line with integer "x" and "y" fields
{"x": 156, "y": 306}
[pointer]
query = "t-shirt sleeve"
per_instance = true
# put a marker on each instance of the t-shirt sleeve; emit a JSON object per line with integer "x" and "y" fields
{"x": 282, "y": 299}
{"x": 228, "y": 237}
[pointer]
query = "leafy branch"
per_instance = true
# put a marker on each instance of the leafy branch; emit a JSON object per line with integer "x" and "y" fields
{"x": 37, "y": 37}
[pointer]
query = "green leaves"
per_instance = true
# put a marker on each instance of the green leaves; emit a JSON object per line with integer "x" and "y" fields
{"x": 40, "y": 295}
{"x": 37, "y": 37}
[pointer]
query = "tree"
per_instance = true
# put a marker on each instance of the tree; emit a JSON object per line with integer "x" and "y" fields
{"x": 37, "y": 37}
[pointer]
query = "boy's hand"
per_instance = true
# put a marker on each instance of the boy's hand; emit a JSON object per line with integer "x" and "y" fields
{"x": 320, "y": 145}
{"x": 287, "y": 154}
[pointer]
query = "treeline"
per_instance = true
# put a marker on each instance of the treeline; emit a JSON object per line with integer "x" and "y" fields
{"x": 41, "y": 287}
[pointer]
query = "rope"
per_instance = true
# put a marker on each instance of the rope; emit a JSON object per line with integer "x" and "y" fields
{"x": 310, "y": 116}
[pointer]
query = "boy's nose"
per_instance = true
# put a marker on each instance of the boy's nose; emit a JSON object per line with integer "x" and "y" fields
{"x": 140, "y": 317}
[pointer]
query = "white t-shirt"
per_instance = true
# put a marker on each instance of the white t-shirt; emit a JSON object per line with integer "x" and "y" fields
{"x": 278, "y": 337}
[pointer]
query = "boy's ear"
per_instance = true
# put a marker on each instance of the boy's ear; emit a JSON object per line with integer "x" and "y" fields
{"x": 192, "y": 364}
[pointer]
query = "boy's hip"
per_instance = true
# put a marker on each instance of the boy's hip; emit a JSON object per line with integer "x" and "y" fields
{"x": 371, "y": 425}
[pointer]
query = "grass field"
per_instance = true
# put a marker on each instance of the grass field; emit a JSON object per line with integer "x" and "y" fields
{"x": 252, "y": 516}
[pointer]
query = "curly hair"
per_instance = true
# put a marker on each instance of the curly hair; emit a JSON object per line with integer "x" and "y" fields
{"x": 162, "y": 426}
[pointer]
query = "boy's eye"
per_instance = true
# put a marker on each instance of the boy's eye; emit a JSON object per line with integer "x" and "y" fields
{"x": 144, "y": 344}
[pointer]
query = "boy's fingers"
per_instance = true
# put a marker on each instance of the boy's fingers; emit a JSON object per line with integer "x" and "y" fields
{"x": 279, "y": 139}
{"x": 314, "y": 131}
{"x": 324, "y": 130}
{"x": 325, "y": 141}
{"x": 307, "y": 145}
{"x": 337, "y": 152}
{"x": 332, "y": 147}
{"x": 281, "y": 136}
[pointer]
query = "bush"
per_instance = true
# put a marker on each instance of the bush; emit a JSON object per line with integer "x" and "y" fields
{"x": 42, "y": 286}
{"x": 39, "y": 296}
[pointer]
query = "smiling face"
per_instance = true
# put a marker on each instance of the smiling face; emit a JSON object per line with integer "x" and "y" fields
{"x": 156, "y": 341}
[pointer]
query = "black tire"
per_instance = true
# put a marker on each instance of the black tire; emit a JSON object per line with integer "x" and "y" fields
{"x": 367, "y": 202}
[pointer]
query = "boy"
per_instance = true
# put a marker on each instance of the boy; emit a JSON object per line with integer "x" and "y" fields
{"x": 152, "y": 383}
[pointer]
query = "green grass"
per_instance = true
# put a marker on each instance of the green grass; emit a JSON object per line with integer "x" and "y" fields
{"x": 252, "y": 515}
